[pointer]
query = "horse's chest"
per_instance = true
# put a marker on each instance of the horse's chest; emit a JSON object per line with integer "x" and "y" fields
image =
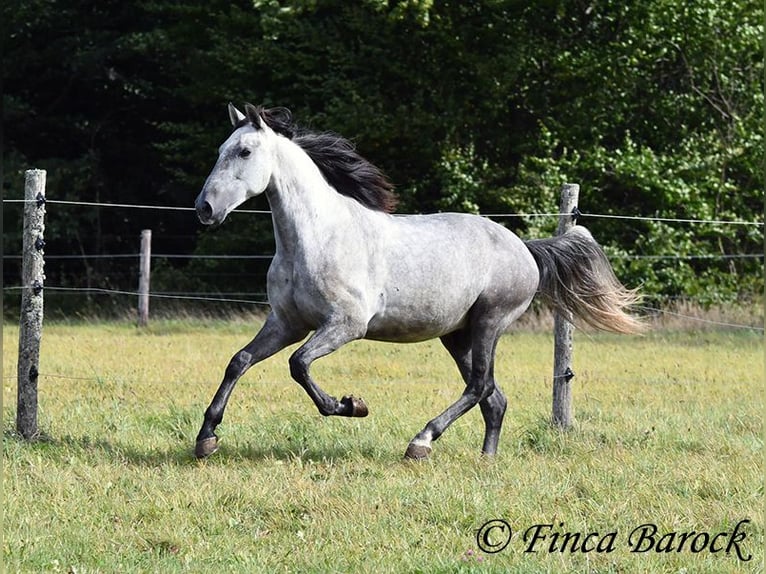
{"x": 302, "y": 290}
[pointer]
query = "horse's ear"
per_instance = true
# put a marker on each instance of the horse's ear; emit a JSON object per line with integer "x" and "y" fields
{"x": 235, "y": 115}
{"x": 254, "y": 116}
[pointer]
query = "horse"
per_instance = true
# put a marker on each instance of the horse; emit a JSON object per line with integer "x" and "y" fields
{"x": 347, "y": 268}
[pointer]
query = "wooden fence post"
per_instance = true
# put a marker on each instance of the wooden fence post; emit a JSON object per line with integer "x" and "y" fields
{"x": 144, "y": 277}
{"x": 31, "y": 320}
{"x": 562, "y": 328}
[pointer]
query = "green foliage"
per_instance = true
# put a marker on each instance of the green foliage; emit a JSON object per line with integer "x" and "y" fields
{"x": 672, "y": 131}
{"x": 627, "y": 180}
{"x": 654, "y": 108}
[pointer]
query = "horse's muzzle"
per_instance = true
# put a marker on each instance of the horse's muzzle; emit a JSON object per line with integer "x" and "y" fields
{"x": 204, "y": 212}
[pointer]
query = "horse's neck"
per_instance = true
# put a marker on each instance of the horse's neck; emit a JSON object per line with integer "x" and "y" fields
{"x": 304, "y": 207}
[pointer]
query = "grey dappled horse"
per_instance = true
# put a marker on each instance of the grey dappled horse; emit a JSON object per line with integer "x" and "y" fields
{"x": 346, "y": 269}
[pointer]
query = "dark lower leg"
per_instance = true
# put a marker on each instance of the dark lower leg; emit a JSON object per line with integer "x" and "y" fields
{"x": 493, "y": 407}
{"x": 493, "y": 411}
{"x": 474, "y": 358}
{"x": 420, "y": 445}
{"x": 270, "y": 339}
{"x": 214, "y": 412}
{"x": 325, "y": 341}
{"x": 348, "y": 406}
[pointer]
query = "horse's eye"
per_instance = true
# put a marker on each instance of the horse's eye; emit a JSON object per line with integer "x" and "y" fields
{"x": 244, "y": 153}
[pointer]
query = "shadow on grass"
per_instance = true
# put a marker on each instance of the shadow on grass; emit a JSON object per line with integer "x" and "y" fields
{"x": 101, "y": 451}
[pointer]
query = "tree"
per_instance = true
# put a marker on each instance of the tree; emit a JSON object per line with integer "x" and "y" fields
{"x": 661, "y": 119}
{"x": 487, "y": 106}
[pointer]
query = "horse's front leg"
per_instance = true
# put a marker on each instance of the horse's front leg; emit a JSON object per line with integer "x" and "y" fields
{"x": 325, "y": 340}
{"x": 272, "y": 338}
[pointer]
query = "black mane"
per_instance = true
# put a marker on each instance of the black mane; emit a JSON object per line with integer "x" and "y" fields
{"x": 336, "y": 157}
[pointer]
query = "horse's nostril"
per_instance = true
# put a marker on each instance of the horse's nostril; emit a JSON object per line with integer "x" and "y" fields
{"x": 205, "y": 212}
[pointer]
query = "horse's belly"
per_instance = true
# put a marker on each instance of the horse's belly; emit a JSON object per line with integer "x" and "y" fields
{"x": 395, "y": 332}
{"x": 417, "y": 319}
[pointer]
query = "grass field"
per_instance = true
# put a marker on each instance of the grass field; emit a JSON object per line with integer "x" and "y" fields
{"x": 669, "y": 432}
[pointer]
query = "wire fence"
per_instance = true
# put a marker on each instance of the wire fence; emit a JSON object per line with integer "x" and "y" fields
{"x": 490, "y": 215}
{"x": 259, "y": 299}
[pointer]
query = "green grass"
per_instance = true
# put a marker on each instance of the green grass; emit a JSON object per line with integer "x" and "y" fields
{"x": 669, "y": 431}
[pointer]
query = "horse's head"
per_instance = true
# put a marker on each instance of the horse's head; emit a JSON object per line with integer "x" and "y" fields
{"x": 243, "y": 169}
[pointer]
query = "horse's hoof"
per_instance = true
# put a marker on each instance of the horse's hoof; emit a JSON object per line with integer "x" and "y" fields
{"x": 206, "y": 447}
{"x": 354, "y": 406}
{"x": 417, "y": 452}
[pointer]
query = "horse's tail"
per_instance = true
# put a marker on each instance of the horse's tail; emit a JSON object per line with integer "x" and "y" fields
{"x": 577, "y": 279}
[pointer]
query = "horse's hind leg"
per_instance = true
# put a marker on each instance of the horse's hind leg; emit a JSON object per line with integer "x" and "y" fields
{"x": 480, "y": 385}
{"x": 493, "y": 407}
{"x": 272, "y": 338}
{"x": 493, "y": 411}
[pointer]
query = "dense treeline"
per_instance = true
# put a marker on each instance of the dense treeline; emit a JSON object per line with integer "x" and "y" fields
{"x": 653, "y": 106}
